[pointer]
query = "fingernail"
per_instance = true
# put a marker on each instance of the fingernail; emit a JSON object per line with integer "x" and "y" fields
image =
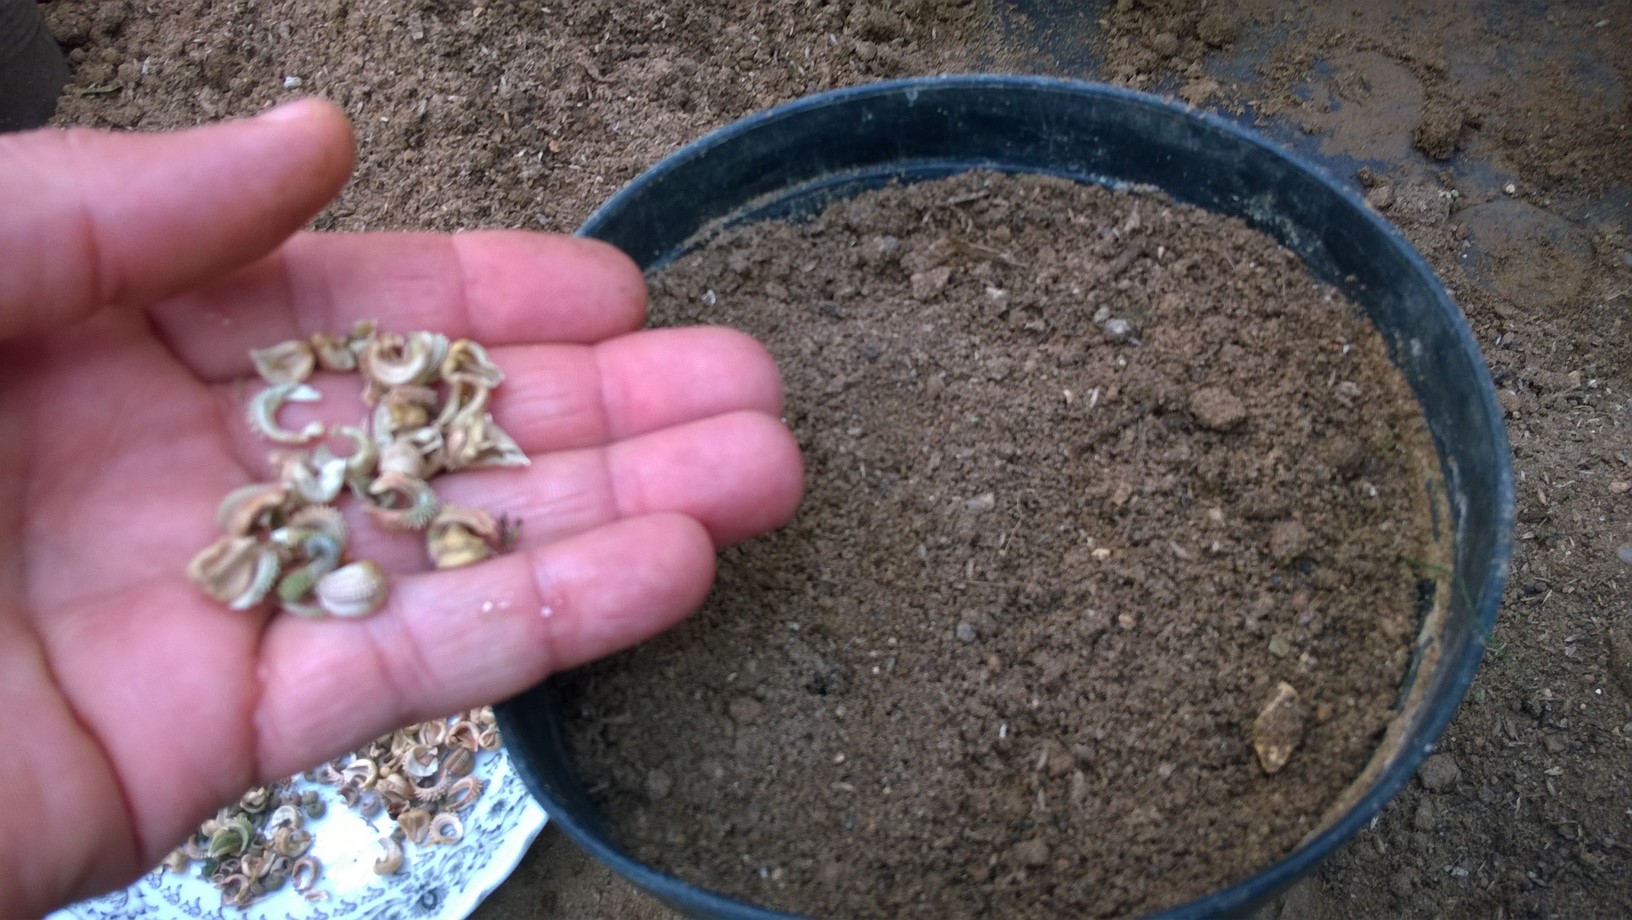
{"x": 293, "y": 110}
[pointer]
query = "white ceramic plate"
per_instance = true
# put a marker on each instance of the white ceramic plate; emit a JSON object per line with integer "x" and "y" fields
{"x": 443, "y": 882}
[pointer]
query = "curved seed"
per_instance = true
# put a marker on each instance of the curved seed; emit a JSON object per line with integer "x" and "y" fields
{"x": 402, "y": 502}
{"x": 354, "y": 590}
{"x": 364, "y": 456}
{"x": 361, "y": 772}
{"x": 177, "y": 862}
{"x": 263, "y": 413}
{"x": 314, "y": 477}
{"x": 232, "y": 838}
{"x": 404, "y": 457}
{"x": 468, "y": 361}
{"x": 237, "y": 890}
{"x": 252, "y": 507}
{"x": 403, "y": 395}
{"x": 415, "y": 824}
{"x": 464, "y": 734}
{"x": 257, "y": 865}
{"x": 432, "y": 732}
{"x": 436, "y": 787}
{"x": 474, "y": 520}
{"x": 292, "y": 842}
{"x": 238, "y": 571}
{"x": 285, "y": 362}
{"x": 305, "y": 872}
{"x": 325, "y": 519}
{"x": 333, "y": 352}
{"x": 464, "y": 396}
{"x": 464, "y": 793}
{"x": 294, "y": 586}
{"x": 390, "y": 861}
{"x": 319, "y": 552}
{"x": 477, "y": 441}
{"x": 284, "y": 816}
{"x": 458, "y": 762}
{"x": 255, "y": 799}
{"x": 420, "y": 760}
{"x": 446, "y": 828}
{"x": 390, "y": 359}
{"x": 453, "y": 546}
{"x": 396, "y": 787}
{"x": 390, "y": 419}
{"x": 371, "y": 803}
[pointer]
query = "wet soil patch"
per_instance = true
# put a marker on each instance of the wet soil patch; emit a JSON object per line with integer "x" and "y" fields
{"x": 1093, "y": 479}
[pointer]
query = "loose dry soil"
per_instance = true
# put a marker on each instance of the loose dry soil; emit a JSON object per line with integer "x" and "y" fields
{"x": 1495, "y": 135}
{"x": 1092, "y": 476}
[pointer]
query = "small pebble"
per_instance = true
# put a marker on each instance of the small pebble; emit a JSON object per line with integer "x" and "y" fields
{"x": 966, "y": 631}
{"x": 1120, "y": 330}
{"x": 1278, "y": 730}
{"x": 1439, "y": 773}
{"x": 658, "y": 784}
{"x": 1216, "y": 409}
{"x": 1288, "y": 540}
{"x": 1061, "y": 763}
{"x": 1217, "y": 27}
{"x": 1033, "y": 852}
{"x": 927, "y": 284}
{"x": 1402, "y": 884}
{"x": 983, "y": 502}
{"x": 1427, "y": 816}
{"x": 744, "y": 709}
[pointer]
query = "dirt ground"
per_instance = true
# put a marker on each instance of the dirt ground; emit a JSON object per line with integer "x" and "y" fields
{"x": 1495, "y": 135}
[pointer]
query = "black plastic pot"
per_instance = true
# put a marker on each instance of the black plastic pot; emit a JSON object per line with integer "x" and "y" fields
{"x": 793, "y": 159}
{"x": 32, "y": 69}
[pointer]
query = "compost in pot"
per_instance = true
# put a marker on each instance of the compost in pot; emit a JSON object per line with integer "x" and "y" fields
{"x": 1093, "y": 478}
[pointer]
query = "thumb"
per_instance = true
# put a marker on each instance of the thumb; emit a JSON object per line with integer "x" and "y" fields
{"x": 94, "y": 218}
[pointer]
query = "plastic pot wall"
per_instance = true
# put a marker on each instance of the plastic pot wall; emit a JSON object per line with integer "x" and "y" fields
{"x": 794, "y": 159}
{"x": 32, "y": 68}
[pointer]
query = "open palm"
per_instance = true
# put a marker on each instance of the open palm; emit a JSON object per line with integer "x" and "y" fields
{"x": 134, "y": 279}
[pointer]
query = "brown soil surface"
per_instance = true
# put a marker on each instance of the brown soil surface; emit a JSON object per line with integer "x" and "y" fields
{"x": 527, "y": 115}
{"x": 1091, "y": 474}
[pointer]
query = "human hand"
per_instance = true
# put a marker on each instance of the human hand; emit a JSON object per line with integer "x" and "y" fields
{"x": 136, "y": 271}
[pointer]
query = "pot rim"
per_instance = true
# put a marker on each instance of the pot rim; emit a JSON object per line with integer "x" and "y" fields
{"x": 1435, "y": 714}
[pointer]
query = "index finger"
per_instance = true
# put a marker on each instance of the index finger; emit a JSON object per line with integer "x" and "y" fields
{"x": 498, "y": 287}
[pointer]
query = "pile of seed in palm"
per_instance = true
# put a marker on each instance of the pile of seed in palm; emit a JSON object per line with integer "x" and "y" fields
{"x": 284, "y": 540}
